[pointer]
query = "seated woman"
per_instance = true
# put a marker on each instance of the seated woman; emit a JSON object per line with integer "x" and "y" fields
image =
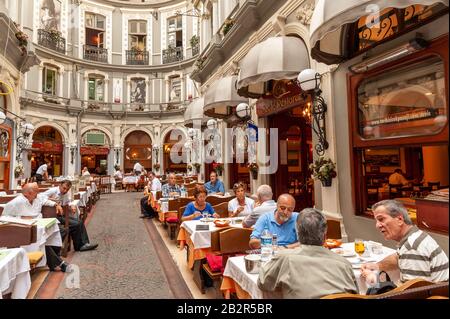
{"x": 195, "y": 209}
{"x": 241, "y": 205}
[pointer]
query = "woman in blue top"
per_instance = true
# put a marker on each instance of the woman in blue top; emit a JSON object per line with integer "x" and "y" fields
{"x": 195, "y": 209}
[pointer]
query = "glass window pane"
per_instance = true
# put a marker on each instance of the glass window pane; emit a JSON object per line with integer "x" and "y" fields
{"x": 100, "y": 89}
{"x": 91, "y": 89}
{"x": 100, "y": 22}
{"x": 408, "y": 101}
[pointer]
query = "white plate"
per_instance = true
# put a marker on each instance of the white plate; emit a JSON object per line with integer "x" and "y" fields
{"x": 207, "y": 220}
{"x": 349, "y": 253}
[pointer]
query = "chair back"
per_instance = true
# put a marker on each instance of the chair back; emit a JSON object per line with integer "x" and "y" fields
{"x": 214, "y": 200}
{"x": 235, "y": 240}
{"x": 174, "y": 204}
{"x": 183, "y": 201}
{"x": 395, "y": 190}
{"x": 215, "y": 239}
{"x": 48, "y": 211}
{"x": 221, "y": 209}
{"x": 417, "y": 290}
{"x": 16, "y": 235}
{"x": 158, "y": 195}
{"x": 334, "y": 229}
{"x": 6, "y": 199}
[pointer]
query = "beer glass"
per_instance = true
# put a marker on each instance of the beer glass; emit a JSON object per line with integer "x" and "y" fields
{"x": 359, "y": 246}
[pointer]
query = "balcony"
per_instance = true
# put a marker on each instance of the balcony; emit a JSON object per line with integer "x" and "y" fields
{"x": 172, "y": 54}
{"x": 52, "y": 40}
{"x": 136, "y": 57}
{"x": 95, "y": 54}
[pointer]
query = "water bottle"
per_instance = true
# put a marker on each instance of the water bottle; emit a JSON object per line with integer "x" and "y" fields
{"x": 183, "y": 191}
{"x": 266, "y": 245}
{"x": 274, "y": 244}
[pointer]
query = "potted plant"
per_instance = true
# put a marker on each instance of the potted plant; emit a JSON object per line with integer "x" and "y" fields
{"x": 23, "y": 41}
{"x": 54, "y": 34}
{"x": 218, "y": 167}
{"x": 18, "y": 171}
{"x": 228, "y": 24}
{"x": 253, "y": 168}
{"x": 156, "y": 166}
{"x": 194, "y": 40}
{"x": 189, "y": 167}
{"x": 324, "y": 170}
{"x": 197, "y": 167}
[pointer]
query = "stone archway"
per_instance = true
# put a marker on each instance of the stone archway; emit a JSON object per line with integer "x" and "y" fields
{"x": 48, "y": 144}
{"x": 137, "y": 148}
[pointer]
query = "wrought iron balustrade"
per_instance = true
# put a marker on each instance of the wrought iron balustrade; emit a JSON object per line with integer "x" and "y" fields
{"x": 52, "y": 40}
{"x": 94, "y": 53}
{"x": 136, "y": 57}
{"x": 172, "y": 54}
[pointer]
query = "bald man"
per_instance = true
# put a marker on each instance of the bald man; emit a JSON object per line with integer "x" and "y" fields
{"x": 29, "y": 205}
{"x": 281, "y": 222}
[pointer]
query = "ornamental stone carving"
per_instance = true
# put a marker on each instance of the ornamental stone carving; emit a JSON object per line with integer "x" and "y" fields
{"x": 305, "y": 12}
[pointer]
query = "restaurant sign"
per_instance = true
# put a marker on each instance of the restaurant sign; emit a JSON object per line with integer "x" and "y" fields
{"x": 283, "y": 97}
{"x": 48, "y": 146}
{"x": 89, "y": 150}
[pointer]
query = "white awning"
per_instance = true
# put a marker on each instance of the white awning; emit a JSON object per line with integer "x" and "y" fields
{"x": 222, "y": 94}
{"x": 194, "y": 112}
{"x": 331, "y": 15}
{"x": 276, "y": 58}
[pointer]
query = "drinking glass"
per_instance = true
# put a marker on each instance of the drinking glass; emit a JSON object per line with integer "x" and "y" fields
{"x": 359, "y": 246}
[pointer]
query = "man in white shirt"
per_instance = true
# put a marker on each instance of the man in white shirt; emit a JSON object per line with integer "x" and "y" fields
{"x": 118, "y": 174}
{"x": 29, "y": 205}
{"x": 154, "y": 184}
{"x": 264, "y": 204}
{"x": 42, "y": 172}
{"x": 77, "y": 230}
{"x": 137, "y": 169}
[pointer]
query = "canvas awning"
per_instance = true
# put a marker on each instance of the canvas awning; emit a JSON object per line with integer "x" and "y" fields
{"x": 276, "y": 58}
{"x": 194, "y": 113}
{"x": 331, "y": 18}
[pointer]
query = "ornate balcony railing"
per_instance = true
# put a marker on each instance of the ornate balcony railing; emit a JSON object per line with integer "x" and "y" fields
{"x": 135, "y": 57}
{"x": 95, "y": 54}
{"x": 52, "y": 40}
{"x": 172, "y": 54}
{"x": 196, "y": 49}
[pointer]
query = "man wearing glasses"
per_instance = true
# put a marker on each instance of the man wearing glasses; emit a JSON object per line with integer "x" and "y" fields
{"x": 281, "y": 222}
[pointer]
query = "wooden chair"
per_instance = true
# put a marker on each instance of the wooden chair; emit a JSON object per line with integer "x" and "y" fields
{"x": 119, "y": 185}
{"x": 141, "y": 183}
{"x": 50, "y": 212}
{"x": 221, "y": 209}
{"x": 345, "y": 295}
{"x": 16, "y": 235}
{"x": 232, "y": 241}
{"x": 215, "y": 200}
{"x": 158, "y": 195}
{"x": 5, "y": 200}
{"x": 395, "y": 190}
{"x": 334, "y": 229}
{"x": 174, "y": 221}
{"x": 1, "y": 210}
{"x": 416, "y": 289}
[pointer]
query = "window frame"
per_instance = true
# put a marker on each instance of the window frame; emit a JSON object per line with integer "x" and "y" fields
{"x": 438, "y": 47}
{"x": 44, "y": 75}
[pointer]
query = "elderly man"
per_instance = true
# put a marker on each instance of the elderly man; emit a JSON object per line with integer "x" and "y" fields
{"x": 280, "y": 222}
{"x": 418, "y": 255}
{"x": 214, "y": 186}
{"x": 78, "y": 232}
{"x": 171, "y": 188}
{"x": 29, "y": 205}
{"x": 264, "y": 204}
{"x": 153, "y": 185}
{"x": 310, "y": 271}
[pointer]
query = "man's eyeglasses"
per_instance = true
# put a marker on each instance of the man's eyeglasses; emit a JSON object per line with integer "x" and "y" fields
{"x": 284, "y": 208}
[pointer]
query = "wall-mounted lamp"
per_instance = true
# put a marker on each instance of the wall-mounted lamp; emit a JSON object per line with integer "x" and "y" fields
{"x": 73, "y": 148}
{"x": 412, "y": 46}
{"x": 211, "y": 124}
{"x": 309, "y": 81}
{"x": 243, "y": 111}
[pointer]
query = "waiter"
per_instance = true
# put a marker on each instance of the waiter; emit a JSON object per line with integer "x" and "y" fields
{"x": 137, "y": 169}
{"x": 42, "y": 171}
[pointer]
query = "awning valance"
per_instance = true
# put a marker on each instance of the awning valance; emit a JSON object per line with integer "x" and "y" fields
{"x": 220, "y": 96}
{"x": 194, "y": 113}
{"x": 330, "y": 18}
{"x": 276, "y": 58}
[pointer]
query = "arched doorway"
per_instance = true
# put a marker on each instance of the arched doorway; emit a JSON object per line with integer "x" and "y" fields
{"x": 47, "y": 145}
{"x": 94, "y": 152}
{"x": 138, "y": 148}
{"x": 175, "y": 160}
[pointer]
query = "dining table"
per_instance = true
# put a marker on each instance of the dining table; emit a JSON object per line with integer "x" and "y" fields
{"x": 237, "y": 280}
{"x": 14, "y": 273}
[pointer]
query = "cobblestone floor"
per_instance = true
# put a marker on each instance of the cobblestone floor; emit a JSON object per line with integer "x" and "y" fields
{"x": 125, "y": 265}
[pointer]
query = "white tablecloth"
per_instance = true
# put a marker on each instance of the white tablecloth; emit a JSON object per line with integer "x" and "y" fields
{"x": 45, "y": 237}
{"x": 129, "y": 180}
{"x": 235, "y": 269}
{"x": 15, "y": 274}
{"x": 202, "y": 238}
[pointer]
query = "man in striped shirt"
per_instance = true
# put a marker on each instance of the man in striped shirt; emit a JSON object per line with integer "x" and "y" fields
{"x": 418, "y": 255}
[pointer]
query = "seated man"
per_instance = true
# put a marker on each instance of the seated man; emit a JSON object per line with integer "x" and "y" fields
{"x": 264, "y": 204}
{"x": 418, "y": 255}
{"x": 171, "y": 188}
{"x": 29, "y": 205}
{"x": 153, "y": 185}
{"x": 398, "y": 178}
{"x": 310, "y": 271}
{"x": 280, "y": 222}
{"x": 78, "y": 232}
{"x": 214, "y": 186}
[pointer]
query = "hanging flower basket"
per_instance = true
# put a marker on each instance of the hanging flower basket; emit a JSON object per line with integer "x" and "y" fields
{"x": 253, "y": 168}
{"x": 326, "y": 182}
{"x": 324, "y": 170}
{"x": 218, "y": 167}
{"x": 156, "y": 167}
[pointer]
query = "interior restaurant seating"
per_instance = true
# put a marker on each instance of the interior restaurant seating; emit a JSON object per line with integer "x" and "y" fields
{"x": 214, "y": 200}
